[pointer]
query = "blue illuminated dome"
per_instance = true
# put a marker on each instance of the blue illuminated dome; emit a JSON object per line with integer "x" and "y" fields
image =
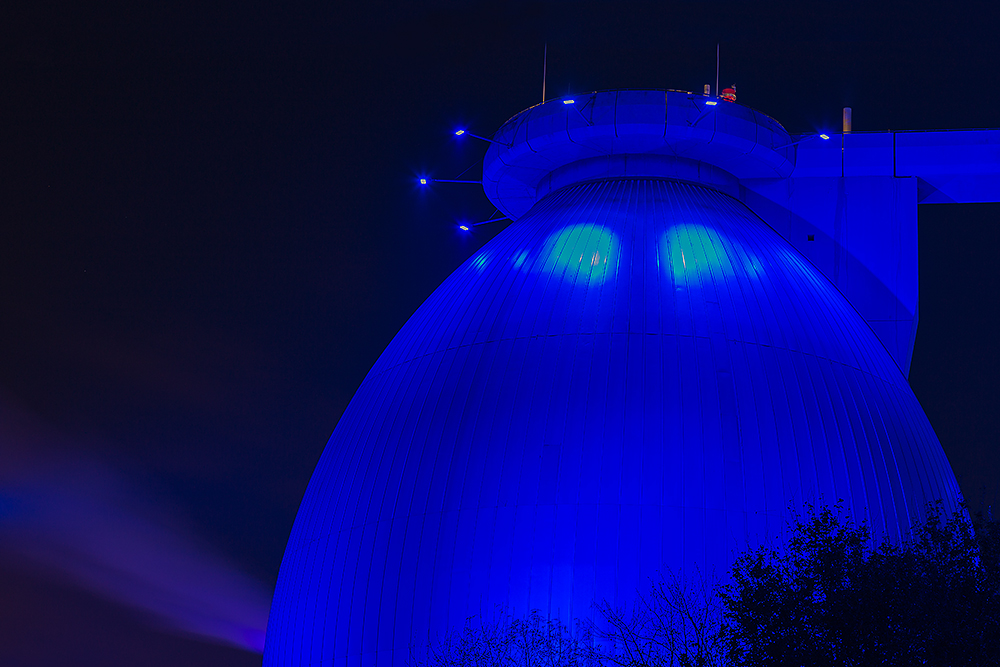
{"x": 638, "y": 374}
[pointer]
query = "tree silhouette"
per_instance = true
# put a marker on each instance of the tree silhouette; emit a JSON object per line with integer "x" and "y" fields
{"x": 829, "y": 595}
{"x": 507, "y": 641}
{"x": 678, "y": 622}
{"x": 833, "y": 597}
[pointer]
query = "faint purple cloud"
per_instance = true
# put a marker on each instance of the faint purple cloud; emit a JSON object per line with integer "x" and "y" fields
{"x": 83, "y": 521}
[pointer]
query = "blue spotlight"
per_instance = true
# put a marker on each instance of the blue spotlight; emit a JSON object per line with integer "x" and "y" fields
{"x": 572, "y": 102}
{"x": 423, "y": 181}
{"x": 459, "y": 133}
{"x": 711, "y": 103}
{"x": 464, "y": 228}
{"x": 824, "y": 137}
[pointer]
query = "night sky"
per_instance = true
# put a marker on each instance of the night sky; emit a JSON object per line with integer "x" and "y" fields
{"x": 210, "y": 228}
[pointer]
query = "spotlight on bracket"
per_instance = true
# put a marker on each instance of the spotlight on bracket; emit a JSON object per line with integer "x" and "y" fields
{"x": 824, "y": 137}
{"x": 425, "y": 181}
{"x": 569, "y": 101}
{"x": 467, "y": 226}
{"x": 459, "y": 133}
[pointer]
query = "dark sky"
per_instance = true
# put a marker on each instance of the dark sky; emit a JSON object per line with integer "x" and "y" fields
{"x": 209, "y": 230}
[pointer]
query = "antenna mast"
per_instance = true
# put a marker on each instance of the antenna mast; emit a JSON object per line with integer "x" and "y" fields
{"x": 545, "y": 65}
{"x": 716, "y": 68}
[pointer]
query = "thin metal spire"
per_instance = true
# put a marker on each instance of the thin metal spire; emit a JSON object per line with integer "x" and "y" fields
{"x": 716, "y": 69}
{"x": 545, "y": 66}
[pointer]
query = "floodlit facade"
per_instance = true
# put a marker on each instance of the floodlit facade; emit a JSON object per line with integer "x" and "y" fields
{"x": 694, "y": 323}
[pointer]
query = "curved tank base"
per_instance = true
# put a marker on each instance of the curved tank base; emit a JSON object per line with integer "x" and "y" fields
{"x": 637, "y": 375}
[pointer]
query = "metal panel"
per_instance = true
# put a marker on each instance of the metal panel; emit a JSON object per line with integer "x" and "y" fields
{"x": 638, "y": 375}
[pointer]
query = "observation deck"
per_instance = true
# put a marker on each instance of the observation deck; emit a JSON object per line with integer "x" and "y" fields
{"x": 661, "y": 133}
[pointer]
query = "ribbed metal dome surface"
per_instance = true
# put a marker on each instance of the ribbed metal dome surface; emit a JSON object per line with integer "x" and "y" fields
{"x": 638, "y": 374}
